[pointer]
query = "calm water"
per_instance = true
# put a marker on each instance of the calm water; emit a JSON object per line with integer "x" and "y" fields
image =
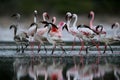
{"x": 7, "y": 72}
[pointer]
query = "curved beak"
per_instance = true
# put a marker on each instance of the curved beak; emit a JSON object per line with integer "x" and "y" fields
{"x": 99, "y": 26}
{"x": 47, "y": 16}
{"x": 66, "y": 17}
{"x": 113, "y": 25}
{"x": 89, "y": 16}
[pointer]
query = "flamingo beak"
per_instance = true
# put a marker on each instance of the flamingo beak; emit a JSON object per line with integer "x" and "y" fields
{"x": 99, "y": 27}
{"x": 65, "y": 26}
{"x": 47, "y": 16}
{"x": 89, "y": 16}
{"x": 10, "y": 27}
{"x": 66, "y": 17}
{"x": 113, "y": 25}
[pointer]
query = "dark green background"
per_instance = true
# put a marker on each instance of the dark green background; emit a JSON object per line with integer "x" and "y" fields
{"x": 60, "y": 6}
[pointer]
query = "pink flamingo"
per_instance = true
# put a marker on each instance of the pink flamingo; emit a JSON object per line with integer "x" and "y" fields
{"x": 82, "y": 32}
{"x": 54, "y": 34}
{"x": 91, "y": 16}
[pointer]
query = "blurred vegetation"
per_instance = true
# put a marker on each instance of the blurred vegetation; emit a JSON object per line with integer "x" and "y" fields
{"x": 59, "y": 6}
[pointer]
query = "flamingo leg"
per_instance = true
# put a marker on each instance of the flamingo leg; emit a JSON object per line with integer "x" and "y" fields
{"x": 87, "y": 50}
{"x": 82, "y": 46}
{"x": 81, "y": 60}
{"x": 45, "y": 48}
{"x": 97, "y": 46}
{"x": 22, "y": 48}
{"x": 18, "y": 48}
{"x": 110, "y": 48}
{"x": 39, "y": 46}
{"x": 73, "y": 44}
{"x": 105, "y": 48}
{"x": 53, "y": 49}
{"x": 63, "y": 49}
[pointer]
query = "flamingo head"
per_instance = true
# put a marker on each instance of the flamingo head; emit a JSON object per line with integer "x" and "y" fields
{"x": 68, "y": 16}
{"x": 91, "y": 14}
{"x": 74, "y": 15}
{"x": 35, "y": 12}
{"x": 54, "y": 20}
{"x": 115, "y": 25}
{"x": 16, "y": 15}
{"x": 46, "y": 15}
{"x": 99, "y": 28}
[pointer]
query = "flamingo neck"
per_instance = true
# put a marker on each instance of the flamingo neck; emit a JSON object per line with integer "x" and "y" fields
{"x": 75, "y": 21}
{"x": 44, "y": 19}
{"x": 35, "y": 19}
{"x": 68, "y": 25}
{"x": 91, "y": 21}
{"x": 117, "y": 29}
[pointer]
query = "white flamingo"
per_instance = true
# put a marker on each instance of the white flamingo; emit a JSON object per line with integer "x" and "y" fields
{"x": 116, "y": 25}
{"x": 37, "y": 33}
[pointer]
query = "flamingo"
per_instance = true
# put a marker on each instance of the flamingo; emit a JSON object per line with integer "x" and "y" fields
{"x": 22, "y": 34}
{"x": 116, "y": 31}
{"x": 91, "y": 16}
{"x": 82, "y": 32}
{"x": 38, "y": 36}
{"x": 20, "y": 39}
{"x": 37, "y": 33}
{"x": 54, "y": 35}
{"x": 110, "y": 40}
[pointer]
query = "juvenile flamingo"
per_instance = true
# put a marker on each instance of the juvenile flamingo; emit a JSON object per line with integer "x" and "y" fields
{"x": 20, "y": 38}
